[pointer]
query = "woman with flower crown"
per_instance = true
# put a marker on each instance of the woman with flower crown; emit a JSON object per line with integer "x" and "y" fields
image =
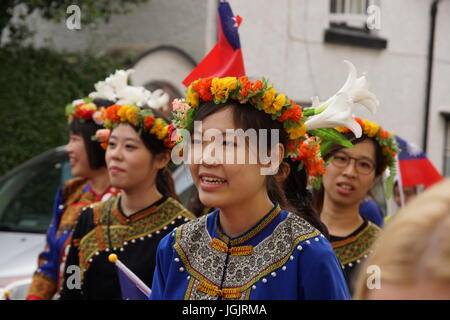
{"x": 138, "y": 141}
{"x": 87, "y": 161}
{"x": 255, "y": 245}
{"x": 349, "y": 177}
{"x": 347, "y": 181}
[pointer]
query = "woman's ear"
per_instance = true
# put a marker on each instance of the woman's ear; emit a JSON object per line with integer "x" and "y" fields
{"x": 283, "y": 172}
{"x": 162, "y": 160}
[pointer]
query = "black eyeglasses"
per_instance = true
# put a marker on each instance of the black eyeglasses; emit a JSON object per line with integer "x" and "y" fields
{"x": 363, "y": 166}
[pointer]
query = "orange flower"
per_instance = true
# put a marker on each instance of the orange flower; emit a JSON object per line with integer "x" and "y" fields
{"x": 246, "y": 86}
{"x": 257, "y": 85}
{"x": 111, "y": 113}
{"x": 203, "y": 87}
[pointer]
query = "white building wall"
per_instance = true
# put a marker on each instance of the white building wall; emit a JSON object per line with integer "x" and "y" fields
{"x": 179, "y": 23}
{"x": 284, "y": 41}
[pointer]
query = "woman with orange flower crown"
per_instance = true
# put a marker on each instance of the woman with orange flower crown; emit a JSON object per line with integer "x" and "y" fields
{"x": 349, "y": 177}
{"x": 87, "y": 160}
{"x": 255, "y": 245}
{"x": 138, "y": 143}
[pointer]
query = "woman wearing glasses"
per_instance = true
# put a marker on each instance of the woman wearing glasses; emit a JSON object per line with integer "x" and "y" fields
{"x": 349, "y": 177}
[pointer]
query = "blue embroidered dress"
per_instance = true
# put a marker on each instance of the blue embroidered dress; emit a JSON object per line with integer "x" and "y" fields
{"x": 281, "y": 257}
{"x": 70, "y": 199}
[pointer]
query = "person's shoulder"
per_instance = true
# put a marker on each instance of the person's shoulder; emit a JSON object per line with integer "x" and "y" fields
{"x": 176, "y": 208}
{"x": 300, "y": 228}
{"x": 74, "y": 183}
{"x": 73, "y": 189}
{"x": 373, "y": 228}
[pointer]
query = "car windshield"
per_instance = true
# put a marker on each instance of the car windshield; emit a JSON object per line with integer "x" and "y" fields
{"x": 27, "y": 195}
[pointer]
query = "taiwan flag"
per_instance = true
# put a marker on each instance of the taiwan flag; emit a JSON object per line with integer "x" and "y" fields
{"x": 131, "y": 287}
{"x": 225, "y": 59}
{"x": 415, "y": 168}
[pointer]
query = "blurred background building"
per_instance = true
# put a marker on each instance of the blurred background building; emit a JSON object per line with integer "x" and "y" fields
{"x": 299, "y": 45}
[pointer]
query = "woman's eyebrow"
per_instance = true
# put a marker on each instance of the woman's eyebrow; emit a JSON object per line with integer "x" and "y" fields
{"x": 362, "y": 157}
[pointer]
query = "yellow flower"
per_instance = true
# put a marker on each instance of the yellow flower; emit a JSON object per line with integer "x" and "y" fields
{"x": 370, "y": 128}
{"x": 122, "y": 113}
{"x": 132, "y": 114}
{"x": 267, "y": 101}
{"x": 163, "y": 132}
{"x": 296, "y": 132}
{"x": 89, "y": 106}
{"x": 221, "y": 87}
{"x": 192, "y": 98}
{"x": 279, "y": 102}
{"x": 159, "y": 128}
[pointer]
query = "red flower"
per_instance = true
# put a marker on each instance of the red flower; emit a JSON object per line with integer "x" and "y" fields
{"x": 148, "y": 122}
{"x": 294, "y": 113}
{"x": 384, "y": 135}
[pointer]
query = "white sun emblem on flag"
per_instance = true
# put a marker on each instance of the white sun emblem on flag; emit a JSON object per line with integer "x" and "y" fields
{"x": 235, "y": 22}
{"x": 413, "y": 149}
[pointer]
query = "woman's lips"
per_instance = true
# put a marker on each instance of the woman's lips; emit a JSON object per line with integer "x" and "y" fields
{"x": 345, "y": 188}
{"x": 115, "y": 170}
{"x": 72, "y": 163}
{"x": 211, "y": 182}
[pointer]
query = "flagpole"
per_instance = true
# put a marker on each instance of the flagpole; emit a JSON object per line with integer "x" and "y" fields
{"x": 400, "y": 183}
{"x": 139, "y": 283}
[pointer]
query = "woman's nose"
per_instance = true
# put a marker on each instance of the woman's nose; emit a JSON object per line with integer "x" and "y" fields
{"x": 350, "y": 169}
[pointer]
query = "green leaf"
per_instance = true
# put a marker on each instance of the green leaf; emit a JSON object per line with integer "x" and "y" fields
{"x": 329, "y": 134}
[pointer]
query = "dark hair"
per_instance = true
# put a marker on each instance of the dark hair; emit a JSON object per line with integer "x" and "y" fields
{"x": 380, "y": 164}
{"x": 87, "y": 129}
{"x": 164, "y": 180}
{"x": 245, "y": 116}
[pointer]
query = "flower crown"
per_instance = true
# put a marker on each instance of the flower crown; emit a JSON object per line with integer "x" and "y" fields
{"x": 129, "y": 107}
{"x": 81, "y": 109}
{"x": 389, "y": 146}
{"x": 142, "y": 118}
{"x": 319, "y": 120}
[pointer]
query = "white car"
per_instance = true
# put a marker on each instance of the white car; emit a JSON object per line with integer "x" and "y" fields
{"x": 26, "y": 205}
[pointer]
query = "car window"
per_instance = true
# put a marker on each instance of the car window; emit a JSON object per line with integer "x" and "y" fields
{"x": 26, "y": 198}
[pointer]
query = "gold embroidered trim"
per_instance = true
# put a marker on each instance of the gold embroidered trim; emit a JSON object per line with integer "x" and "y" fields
{"x": 234, "y": 251}
{"x": 261, "y": 226}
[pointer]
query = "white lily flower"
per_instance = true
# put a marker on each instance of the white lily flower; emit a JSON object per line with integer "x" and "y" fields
{"x": 119, "y": 80}
{"x": 131, "y": 95}
{"x": 358, "y": 89}
{"x": 338, "y": 109}
{"x": 159, "y": 100}
{"x": 338, "y": 113}
{"x": 103, "y": 91}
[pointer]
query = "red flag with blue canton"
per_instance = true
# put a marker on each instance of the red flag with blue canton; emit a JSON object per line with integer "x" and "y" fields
{"x": 225, "y": 59}
{"x": 415, "y": 167}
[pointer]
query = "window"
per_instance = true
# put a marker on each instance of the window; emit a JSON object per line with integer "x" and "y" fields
{"x": 355, "y": 23}
{"x": 350, "y": 13}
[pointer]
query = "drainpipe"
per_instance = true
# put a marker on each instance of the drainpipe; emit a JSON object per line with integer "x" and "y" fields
{"x": 433, "y": 11}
